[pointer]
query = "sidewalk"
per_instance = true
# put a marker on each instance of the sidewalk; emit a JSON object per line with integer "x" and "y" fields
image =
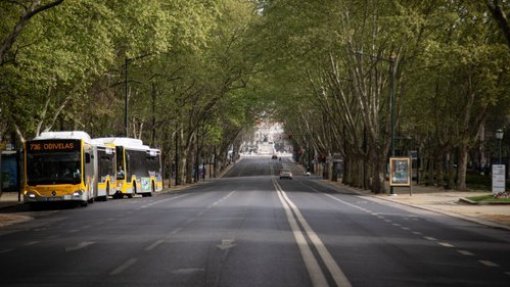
{"x": 10, "y": 199}
{"x": 445, "y": 202}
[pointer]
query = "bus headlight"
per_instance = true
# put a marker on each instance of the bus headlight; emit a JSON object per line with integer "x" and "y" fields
{"x": 31, "y": 195}
{"x": 78, "y": 193}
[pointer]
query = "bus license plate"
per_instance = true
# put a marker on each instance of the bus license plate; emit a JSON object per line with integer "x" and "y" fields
{"x": 54, "y": 198}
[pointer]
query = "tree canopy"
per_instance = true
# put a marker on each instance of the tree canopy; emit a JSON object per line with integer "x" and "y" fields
{"x": 196, "y": 74}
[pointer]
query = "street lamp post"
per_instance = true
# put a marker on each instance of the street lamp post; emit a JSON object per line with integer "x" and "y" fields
{"x": 126, "y": 63}
{"x": 392, "y": 87}
{"x": 499, "y": 136}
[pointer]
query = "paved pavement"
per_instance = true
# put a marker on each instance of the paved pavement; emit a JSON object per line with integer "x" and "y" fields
{"x": 429, "y": 198}
{"x": 10, "y": 200}
{"x": 445, "y": 202}
{"x": 251, "y": 229}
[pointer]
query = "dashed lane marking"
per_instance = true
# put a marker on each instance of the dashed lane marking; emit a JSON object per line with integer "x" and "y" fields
{"x": 178, "y": 229}
{"x": 123, "y": 267}
{"x": 162, "y": 200}
{"x": 488, "y": 263}
{"x": 31, "y": 243}
{"x": 6, "y": 250}
{"x": 80, "y": 245}
{"x": 445, "y": 244}
{"x": 466, "y": 253}
{"x": 154, "y": 245}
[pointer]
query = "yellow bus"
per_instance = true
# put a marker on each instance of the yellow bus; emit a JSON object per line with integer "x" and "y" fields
{"x": 105, "y": 162}
{"x": 59, "y": 166}
{"x": 138, "y": 167}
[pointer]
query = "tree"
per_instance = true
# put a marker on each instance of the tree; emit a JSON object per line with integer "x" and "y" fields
{"x": 26, "y": 10}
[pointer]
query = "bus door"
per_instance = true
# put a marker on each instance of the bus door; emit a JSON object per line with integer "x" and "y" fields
{"x": 89, "y": 176}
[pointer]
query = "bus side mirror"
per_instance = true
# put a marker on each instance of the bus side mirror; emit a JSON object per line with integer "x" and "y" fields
{"x": 87, "y": 158}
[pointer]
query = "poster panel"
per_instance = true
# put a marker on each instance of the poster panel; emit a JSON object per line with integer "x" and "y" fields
{"x": 400, "y": 171}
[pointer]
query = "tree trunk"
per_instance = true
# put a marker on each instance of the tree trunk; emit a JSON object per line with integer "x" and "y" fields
{"x": 462, "y": 167}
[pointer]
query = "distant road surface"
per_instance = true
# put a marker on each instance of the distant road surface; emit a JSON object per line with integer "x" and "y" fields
{"x": 252, "y": 229}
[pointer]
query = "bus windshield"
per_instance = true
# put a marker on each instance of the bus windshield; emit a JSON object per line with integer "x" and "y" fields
{"x": 53, "y": 168}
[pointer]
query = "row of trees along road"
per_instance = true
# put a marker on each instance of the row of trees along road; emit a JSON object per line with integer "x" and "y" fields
{"x": 333, "y": 63}
{"x": 197, "y": 73}
{"x": 63, "y": 66}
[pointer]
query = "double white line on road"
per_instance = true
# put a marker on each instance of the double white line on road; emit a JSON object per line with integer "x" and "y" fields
{"x": 312, "y": 265}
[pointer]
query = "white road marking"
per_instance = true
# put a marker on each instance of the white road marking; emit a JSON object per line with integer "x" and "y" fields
{"x": 31, "y": 243}
{"x": 81, "y": 245}
{"x": 154, "y": 245}
{"x": 417, "y": 233}
{"x": 178, "y": 229}
{"x": 342, "y": 201}
{"x": 430, "y": 238}
{"x": 226, "y": 244}
{"x": 6, "y": 250}
{"x": 335, "y": 271}
{"x": 405, "y": 228}
{"x": 187, "y": 271}
{"x": 488, "y": 263}
{"x": 123, "y": 267}
{"x": 466, "y": 253}
{"x": 311, "y": 264}
{"x": 396, "y": 224}
{"x": 220, "y": 200}
{"x": 162, "y": 200}
{"x": 445, "y": 244}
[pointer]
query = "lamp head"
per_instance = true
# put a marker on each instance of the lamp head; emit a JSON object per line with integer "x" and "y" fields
{"x": 499, "y": 134}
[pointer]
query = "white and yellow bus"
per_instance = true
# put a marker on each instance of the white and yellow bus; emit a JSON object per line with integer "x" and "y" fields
{"x": 138, "y": 167}
{"x": 105, "y": 161}
{"x": 59, "y": 166}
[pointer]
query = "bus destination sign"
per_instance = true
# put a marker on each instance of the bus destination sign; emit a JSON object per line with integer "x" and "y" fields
{"x": 53, "y": 145}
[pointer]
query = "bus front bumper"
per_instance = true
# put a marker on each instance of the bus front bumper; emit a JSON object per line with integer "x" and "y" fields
{"x": 30, "y": 196}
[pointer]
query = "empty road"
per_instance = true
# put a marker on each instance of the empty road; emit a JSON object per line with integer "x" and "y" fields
{"x": 250, "y": 228}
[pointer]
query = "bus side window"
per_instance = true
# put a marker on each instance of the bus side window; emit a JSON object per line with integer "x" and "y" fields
{"x": 120, "y": 174}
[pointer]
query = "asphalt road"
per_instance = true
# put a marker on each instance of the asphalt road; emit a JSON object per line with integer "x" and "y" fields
{"x": 251, "y": 229}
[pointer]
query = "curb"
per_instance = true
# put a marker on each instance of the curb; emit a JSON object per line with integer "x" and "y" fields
{"x": 468, "y": 201}
{"x": 472, "y": 202}
{"x": 183, "y": 187}
{"x": 17, "y": 219}
{"x": 451, "y": 214}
